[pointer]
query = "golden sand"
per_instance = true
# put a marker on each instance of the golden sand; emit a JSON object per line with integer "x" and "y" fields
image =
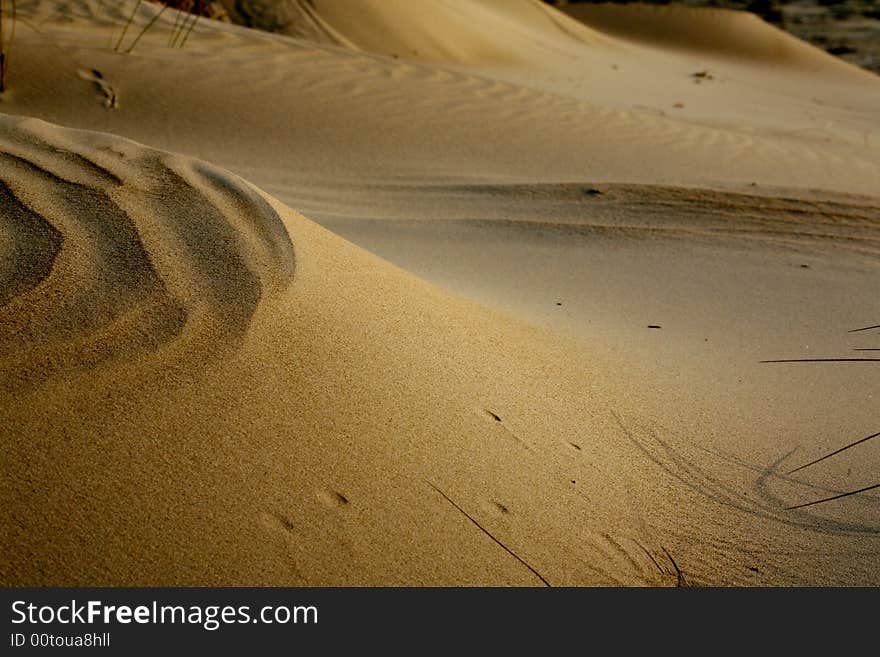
{"x": 415, "y": 295}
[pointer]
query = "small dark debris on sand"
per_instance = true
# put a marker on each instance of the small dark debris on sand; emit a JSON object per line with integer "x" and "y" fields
{"x": 841, "y": 50}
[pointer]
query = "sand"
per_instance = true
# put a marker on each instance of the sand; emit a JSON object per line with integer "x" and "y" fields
{"x": 433, "y": 293}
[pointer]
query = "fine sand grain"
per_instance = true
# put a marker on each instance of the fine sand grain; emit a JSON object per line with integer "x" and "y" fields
{"x": 469, "y": 293}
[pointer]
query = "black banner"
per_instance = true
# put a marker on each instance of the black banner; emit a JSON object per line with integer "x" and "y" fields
{"x": 240, "y": 620}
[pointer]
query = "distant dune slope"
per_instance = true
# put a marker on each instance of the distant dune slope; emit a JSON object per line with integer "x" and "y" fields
{"x": 734, "y": 34}
{"x": 518, "y": 32}
{"x": 530, "y": 32}
{"x": 279, "y": 110}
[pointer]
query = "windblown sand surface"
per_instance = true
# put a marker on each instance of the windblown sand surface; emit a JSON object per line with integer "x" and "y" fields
{"x": 513, "y": 338}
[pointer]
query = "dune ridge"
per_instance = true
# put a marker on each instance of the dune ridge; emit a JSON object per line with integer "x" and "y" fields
{"x": 734, "y": 34}
{"x": 100, "y": 285}
{"x": 514, "y": 32}
{"x": 256, "y": 447}
{"x": 520, "y": 32}
{"x": 585, "y": 121}
{"x": 190, "y": 368}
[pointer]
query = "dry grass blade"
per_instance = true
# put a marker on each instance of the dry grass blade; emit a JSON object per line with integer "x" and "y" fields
{"x": 822, "y": 360}
{"x": 182, "y": 30}
{"x": 179, "y": 20}
{"x": 489, "y": 534}
{"x": 864, "y": 328}
{"x": 5, "y": 46}
{"x": 147, "y": 27}
{"x": 832, "y": 360}
{"x": 681, "y": 582}
{"x": 190, "y": 29}
{"x": 128, "y": 24}
{"x": 2, "y": 53}
{"x": 837, "y": 451}
{"x": 833, "y": 497}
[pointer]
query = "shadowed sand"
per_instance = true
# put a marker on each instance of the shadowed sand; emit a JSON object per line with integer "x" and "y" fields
{"x": 119, "y": 249}
{"x": 174, "y": 389}
{"x": 557, "y": 382}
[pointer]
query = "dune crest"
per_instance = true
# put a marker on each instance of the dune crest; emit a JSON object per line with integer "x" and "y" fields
{"x": 723, "y": 32}
{"x": 176, "y": 383}
{"x": 514, "y": 32}
{"x": 114, "y": 249}
{"x": 532, "y": 34}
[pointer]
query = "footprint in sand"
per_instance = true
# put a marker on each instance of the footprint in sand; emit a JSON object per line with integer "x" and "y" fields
{"x": 108, "y": 92}
{"x": 333, "y": 498}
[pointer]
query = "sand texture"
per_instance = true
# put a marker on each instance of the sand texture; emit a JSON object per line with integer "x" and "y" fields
{"x": 436, "y": 293}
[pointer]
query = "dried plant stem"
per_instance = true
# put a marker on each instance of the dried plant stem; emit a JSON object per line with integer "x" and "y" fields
{"x": 181, "y": 29}
{"x": 128, "y": 24}
{"x": 865, "y": 328}
{"x": 823, "y": 360}
{"x": 2, "y": 53}
{"x": 179, "y": 21}
{"x": 837, "y": 451}
{"x": 146, "y": 27}
{"x": 5, "y": 45}
{"x": 833, "y": 497}
{"x": 191, "y": 26}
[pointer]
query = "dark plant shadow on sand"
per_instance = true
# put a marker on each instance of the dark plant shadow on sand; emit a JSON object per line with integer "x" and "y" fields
{"x": 760, "y": 501}
{"x": 838, "y": 494}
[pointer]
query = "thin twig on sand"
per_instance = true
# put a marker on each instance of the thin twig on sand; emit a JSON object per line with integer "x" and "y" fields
{"x": 128, "y": 24}
{"x": 834, "y": 497}
{"x": 5, "y": 45}
{"x": 175, "y": 31}
{"x": 681, "y": 582}
{"x": 189, "y": 30}
{"x": 864, "y": 328}
{"x": 489, "y": 534}
{"x": 147, "y": 27}
{"x": 823, "y": 360}
{"x": 837, "y": 451}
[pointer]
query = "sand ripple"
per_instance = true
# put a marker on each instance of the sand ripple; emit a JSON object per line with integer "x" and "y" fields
{"x": 112, "y": 250}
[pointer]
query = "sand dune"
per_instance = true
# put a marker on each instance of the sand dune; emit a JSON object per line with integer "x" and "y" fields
{"x": 200, "y": 385}
{"x": 638, "y": 57}
{"x": 406, "y": 120}
{"x": 207, "y": 400}
{"x": 514, "y": 32}
{"x": 734, "y": 34}
{"x": 113, "y": 292}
